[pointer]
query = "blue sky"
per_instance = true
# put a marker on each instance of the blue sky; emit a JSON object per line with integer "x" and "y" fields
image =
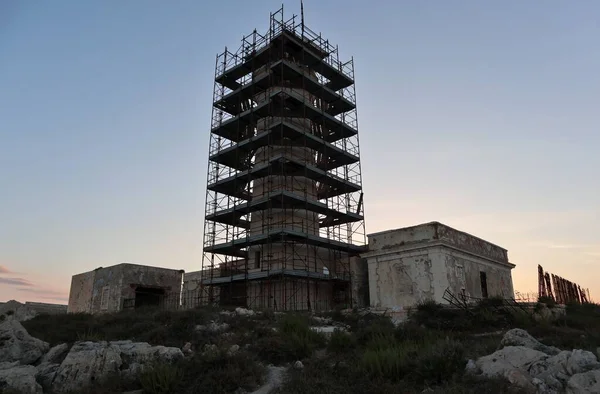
{"x": 480, "y": 115}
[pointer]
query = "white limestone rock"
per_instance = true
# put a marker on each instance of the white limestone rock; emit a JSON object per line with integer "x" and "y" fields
{"x": 55, "y": 355}
{"x": 17, "y": 345}
{"x": 472, "y": 368}
{"x": 213, "y": 327}
{"x": 21, "y": 379}
{"x": 244, "y": 312}
{"x": 233, "y": 350}
{"x": 8, "y": 365}
{"x": 509, "y": 358}
{"x": 89, "y": 362}
{"x": 45, "y": 374}
{"x": 584, "y": 383}
{"x": 519, "y": 337}
{"x": 581, "y": 361}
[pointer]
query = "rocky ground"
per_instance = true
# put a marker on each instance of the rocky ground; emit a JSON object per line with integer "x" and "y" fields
{"x": 243, "y": 351}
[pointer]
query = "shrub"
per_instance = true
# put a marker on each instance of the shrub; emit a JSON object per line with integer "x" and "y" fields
{"x": 2, "y": 318}
{"x": 161, "y": 379}
{"x": 391, "y": 363}
{"x": 374, "y": 328}
{"x": 157, "y": 327}
{"x": 439, "y": 361}
{"x": 429, "y": 307}
{"x": 494, "y": 301}
{"x": 90, "y": 335}
{"x": 341, "y": 341}
{"x": 299, "y": 338}
{"x": 429, "y": 362}
{"x": 10, "y": 313}
{"x": 221, "y": 373}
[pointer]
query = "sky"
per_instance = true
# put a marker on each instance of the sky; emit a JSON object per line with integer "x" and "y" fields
{"x": 480, "y": 115}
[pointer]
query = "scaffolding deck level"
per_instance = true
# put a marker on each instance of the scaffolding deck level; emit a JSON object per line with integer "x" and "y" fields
{"x": 291, "y": 43}
{"x": 281, "y": 71}
{"x": 267, "y": 274}
{"x": 282, "y": 165}
{"x": 282, "y": 200}
{"x": 234, "y": 248}
{"x": 285, "y": 103}
{"x": 279, "y": 133}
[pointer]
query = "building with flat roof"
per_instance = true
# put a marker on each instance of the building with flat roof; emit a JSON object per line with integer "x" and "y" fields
{"x": 123, "y": 286}
{"x": 419, "y": 263}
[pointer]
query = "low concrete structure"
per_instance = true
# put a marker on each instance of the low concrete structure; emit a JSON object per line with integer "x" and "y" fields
{"x": 123, "y": 286}
{"x": 414, "y": 264}
{"x": 43, "y": 308}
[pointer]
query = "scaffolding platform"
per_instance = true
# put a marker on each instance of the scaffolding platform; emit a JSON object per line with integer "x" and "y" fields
{"x": 235, "y": 247}
{"x": 282, "y": 73}
{"x": 283, "y": 165}
{"x": 263, "y": 274}
{"x": 284, "y": 132}
{"x": 282, "y": 200}
{"x": 284, "y": 103}
{"x": 309, "y": 55}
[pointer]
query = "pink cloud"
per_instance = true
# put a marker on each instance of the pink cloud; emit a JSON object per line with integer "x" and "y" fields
{"x": 16, "y": 281}
{"x": 4, "y": 270}
{"x": 46, "y": 294}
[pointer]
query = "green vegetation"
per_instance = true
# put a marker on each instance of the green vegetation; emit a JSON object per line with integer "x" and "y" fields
{"x": 161, "y": 379}
{"x": 371, "y": 355}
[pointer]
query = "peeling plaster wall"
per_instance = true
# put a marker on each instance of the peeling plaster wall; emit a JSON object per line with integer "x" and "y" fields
{"x": 110, "y": 278}
{"x": 400, "y": 280}
{"x": 192, "y": 281}
{"x": 410, "y": 265}
{"x": 80, "y": 295}
{"x": 142, "y": 275}
{"x": 104, "y": 289}
{"x": 436, "y": 232}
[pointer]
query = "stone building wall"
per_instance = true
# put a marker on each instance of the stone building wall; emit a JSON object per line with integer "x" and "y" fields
{"x": 415, "y": 264}
{"x": 105, "y": 289}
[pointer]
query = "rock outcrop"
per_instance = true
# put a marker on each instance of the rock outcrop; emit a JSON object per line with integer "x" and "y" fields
{"x": 17, "y": 345}
{"x": 27, "y": 365}
{"x": 16, "y": 311}
{"x": 20, "y": 379}
{"x": 519, "y": 337}
{"x": 89, "y": 362}
{"x": 537, "y": 368}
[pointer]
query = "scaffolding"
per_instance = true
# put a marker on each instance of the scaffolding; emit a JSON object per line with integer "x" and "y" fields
{"x": 284, "y": 217}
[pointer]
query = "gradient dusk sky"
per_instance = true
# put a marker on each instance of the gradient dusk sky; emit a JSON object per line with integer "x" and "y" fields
{"x": 477, "y": 114}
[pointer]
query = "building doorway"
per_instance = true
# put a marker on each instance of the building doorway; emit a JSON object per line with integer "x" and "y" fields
{"x": 148, "y": 296}
{"x": 484, "y": 288}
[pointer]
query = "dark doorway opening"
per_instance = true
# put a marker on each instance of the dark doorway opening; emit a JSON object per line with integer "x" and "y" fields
{"x": 148, "y": 296}
{"x": 484, "y": 289}
{"x": 233, "y": 294}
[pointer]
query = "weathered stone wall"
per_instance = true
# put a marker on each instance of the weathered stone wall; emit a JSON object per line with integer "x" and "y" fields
{"x": 407, "y": 266}
{"x": 400, "y": 280}
{"x": 106, "y": 293}
{"x": 469, "y": 243}
{"x": 142, "y": 275}
{"x": 46, "y": 308}
{"x": 192, "y": 281}
{"x": 104, "y": 289}
{"x": 80, "y": 295}
{"x": 436, "y": 232}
